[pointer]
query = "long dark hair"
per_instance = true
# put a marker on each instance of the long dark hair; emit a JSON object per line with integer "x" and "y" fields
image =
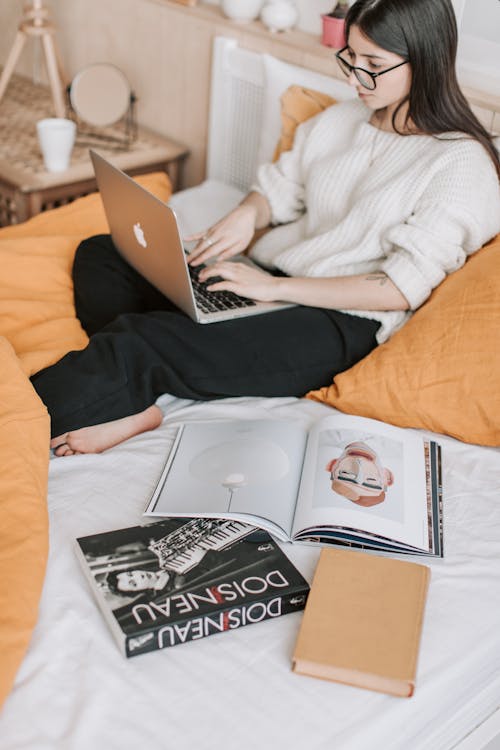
{"x": 424, "y": 32}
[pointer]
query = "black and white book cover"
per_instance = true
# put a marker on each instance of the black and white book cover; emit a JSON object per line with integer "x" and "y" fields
{"x": 180, "y": 579}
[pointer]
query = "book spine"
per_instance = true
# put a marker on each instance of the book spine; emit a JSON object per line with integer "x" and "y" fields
{"x": 227, "y": 618}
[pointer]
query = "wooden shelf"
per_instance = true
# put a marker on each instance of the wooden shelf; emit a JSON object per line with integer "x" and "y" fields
{"x": 293, "y": 38}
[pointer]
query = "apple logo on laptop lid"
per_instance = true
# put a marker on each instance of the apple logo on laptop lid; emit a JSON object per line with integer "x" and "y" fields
{"x": 139, "y": 234}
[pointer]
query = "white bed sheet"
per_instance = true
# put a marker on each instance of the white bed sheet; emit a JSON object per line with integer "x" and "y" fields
{"x": 75, "y": 691}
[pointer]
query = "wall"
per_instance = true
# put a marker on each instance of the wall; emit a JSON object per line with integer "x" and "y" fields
{"x": 10, "y": 12}
{"x": 479, "y": 49}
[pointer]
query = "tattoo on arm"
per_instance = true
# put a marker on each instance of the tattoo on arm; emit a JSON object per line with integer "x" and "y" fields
{"x": 382, "y": 278}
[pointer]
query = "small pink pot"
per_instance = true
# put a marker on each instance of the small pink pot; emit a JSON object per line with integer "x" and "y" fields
{"x": 333, "y": 32}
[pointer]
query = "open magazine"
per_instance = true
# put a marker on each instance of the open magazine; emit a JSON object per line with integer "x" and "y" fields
{"x": 348, "y": 480}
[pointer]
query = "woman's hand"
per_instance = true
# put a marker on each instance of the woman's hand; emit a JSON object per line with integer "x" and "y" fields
{"x": 242, "y": 279}
{"x": 228, "y": 237}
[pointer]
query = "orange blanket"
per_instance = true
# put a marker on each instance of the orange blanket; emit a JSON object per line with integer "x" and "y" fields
{"x": 37, "y": 327}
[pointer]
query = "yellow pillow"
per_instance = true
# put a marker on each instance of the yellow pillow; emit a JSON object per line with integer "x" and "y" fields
{"x": 37, "y": 313}
{"x": 441, "y": 371}
{"x": 298, "y": 105}
{"x": 24, "y": 451}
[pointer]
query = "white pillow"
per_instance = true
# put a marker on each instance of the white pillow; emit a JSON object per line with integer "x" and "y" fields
{"x": 278, "y": 77}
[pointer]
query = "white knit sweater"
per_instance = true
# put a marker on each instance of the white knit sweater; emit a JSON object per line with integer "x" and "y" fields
{"x": 353, "y": 199}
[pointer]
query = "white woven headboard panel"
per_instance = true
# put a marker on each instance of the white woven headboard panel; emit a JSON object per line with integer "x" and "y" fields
{"x": 236, "y": 100}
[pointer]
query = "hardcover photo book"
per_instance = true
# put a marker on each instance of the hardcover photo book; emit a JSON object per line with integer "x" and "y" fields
{"x": 363, "y": 621}
{"x": 348, "y": 480}
{"x": 181, "y": 579}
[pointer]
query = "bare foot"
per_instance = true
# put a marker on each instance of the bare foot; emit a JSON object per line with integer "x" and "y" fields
{"x": 100, "y": 437}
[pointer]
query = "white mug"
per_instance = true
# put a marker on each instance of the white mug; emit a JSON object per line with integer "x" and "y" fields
{"x": 56, "y": 136}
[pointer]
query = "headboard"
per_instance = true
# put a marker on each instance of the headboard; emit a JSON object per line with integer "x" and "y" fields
{"x": 236, "y": 103}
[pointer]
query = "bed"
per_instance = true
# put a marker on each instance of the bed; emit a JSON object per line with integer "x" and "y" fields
{"x": 67, "y": 687}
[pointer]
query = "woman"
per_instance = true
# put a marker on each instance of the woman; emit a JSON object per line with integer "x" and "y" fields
{"x": 376, "y": 203}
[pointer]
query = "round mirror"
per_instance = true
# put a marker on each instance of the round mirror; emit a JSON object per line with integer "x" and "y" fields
{"x": 100, "y": 94}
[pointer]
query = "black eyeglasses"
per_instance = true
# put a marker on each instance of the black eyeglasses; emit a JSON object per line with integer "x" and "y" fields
{"x": 366, "y": 78}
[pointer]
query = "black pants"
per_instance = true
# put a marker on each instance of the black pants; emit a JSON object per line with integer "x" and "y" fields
{"x": 142, "y": 346}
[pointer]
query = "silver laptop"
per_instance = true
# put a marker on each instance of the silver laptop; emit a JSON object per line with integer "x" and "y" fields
{"x": 146, "y": 233}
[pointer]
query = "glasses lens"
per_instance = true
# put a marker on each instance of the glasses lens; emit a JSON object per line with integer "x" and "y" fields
{"x": 344, "y": 66}
{"x": 365, "y": 79}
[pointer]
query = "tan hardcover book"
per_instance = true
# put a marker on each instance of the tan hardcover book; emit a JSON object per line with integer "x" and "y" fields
{"x": 363, "y": 621}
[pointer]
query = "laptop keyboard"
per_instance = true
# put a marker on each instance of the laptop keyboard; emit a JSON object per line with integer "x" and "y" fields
{"x": 209, "y": 302}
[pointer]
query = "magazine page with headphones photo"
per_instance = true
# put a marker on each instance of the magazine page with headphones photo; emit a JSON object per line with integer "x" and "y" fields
{"x": 370, "y": 484}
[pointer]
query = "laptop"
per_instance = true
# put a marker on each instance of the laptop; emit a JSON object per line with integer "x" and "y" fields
{"x": 146, "y": 233}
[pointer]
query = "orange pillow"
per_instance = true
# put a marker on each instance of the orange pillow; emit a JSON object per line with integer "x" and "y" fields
{"x": 441, "y": 371}
{"x": 298, "y": 104}
{"x": 37, "y": 313}
{"x": 24, "y": 448}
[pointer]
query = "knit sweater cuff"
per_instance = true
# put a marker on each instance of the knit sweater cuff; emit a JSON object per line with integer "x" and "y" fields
{"x": 408, "y": 279}
{"x": 285, "y": 198}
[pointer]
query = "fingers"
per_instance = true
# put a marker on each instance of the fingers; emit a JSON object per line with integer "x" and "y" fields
{"x": 241, "y": 279}
{"x": 235, "y": 249}
{"x": 224, "y": 239}
{"x": 197, "y": 236}
{"x": 203, "y": 239}
{"x": 216, "y": 269}
{"x": 228, "y": 273}
{"x": 206, "y": 249}
{"x": 211, "y": 247}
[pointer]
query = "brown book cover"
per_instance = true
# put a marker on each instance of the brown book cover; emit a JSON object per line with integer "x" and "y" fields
{"x": 363, "y": 621}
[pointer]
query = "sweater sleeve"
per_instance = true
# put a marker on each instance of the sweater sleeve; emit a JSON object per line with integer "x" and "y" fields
{"x": 282, "y": 182}
{"x": 457, "y": 214}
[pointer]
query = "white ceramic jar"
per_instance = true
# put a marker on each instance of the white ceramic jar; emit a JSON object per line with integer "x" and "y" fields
{"x": 279, "y": 15}
{"x": 241, "y": 11}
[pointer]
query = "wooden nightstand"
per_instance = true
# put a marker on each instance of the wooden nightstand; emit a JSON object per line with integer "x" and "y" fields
{"x": 26, "y": 188}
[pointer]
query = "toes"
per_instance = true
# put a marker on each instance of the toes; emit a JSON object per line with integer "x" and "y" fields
{"x": 59, "y": 442}
{"x": 60, "y": 449}
{"x": 57, "y": 445}
{"x": 63, "y": 449}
